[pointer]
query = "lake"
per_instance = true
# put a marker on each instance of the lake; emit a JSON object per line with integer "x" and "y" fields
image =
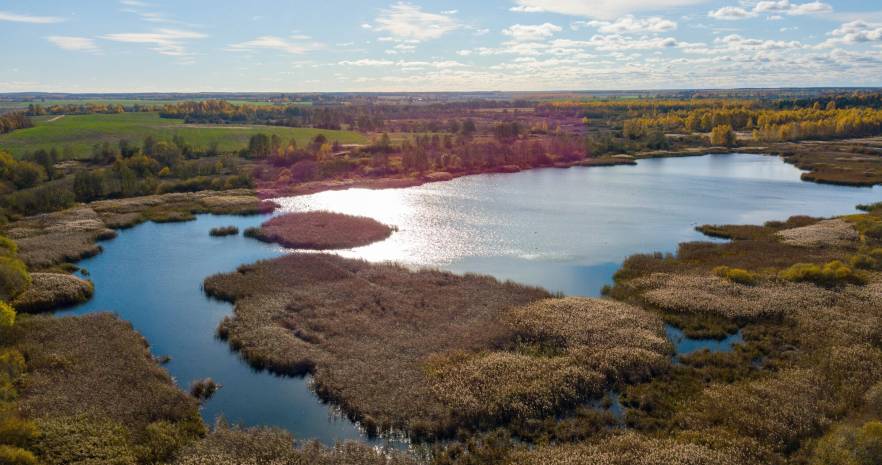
{"x": 567, "y": 230}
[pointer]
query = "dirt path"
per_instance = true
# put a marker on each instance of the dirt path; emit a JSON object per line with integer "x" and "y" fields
{"x": 50, "y": 120}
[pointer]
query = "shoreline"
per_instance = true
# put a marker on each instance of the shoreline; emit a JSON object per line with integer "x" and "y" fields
{"x": 788, "y": 151}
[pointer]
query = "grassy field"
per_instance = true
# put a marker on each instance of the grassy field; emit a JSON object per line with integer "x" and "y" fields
{"x": 81, "y": 132}
{"x": 23, "y": 105}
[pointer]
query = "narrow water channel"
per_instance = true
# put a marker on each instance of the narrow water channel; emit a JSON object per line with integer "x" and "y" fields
{"x": 566, "y": 230}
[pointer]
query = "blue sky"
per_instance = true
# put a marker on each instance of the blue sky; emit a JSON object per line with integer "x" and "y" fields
{"x": 422, "y": 45}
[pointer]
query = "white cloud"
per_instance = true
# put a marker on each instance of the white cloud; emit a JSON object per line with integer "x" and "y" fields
{"x": 854, "y": 32}
{"x": 520, "y": 32}
{"x": 406, "y": 21}
{"x": 731, "y": 13}
{"x": 369, "y": 62}
{"x": 773, "y": 8}
{"x": 628, "y": 24}
{"x": 601, "y": 9}
{"x": 165, "y": 41}
{"x": 77, "y": 44}
{"x": 19, "y": 18}
{"x": 274, "y": 43}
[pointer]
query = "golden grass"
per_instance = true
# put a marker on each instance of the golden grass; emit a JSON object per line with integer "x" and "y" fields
{"x": 827, "y": 233}
{"x": 322, "y": 231}
{"x": 52, "y": 291}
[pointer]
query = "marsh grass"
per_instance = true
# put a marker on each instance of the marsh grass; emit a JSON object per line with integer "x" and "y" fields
{"x": 365, "y": 330}
{"x": 810, "y": 355}
{"x": 53, "y": 291}
{"x": 321, "y": 230}
{"x": 94, "y": 391}
{"x": 228, "y": 445}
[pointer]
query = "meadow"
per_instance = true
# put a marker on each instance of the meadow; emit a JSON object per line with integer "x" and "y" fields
{"x": 76, "y": 135}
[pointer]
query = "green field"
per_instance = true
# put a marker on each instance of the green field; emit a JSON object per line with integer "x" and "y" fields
{"x": 81, "y": 132}
{"x": 23, "y": 105}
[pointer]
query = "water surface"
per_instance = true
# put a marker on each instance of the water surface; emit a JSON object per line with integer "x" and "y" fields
{"x": 566, "y": 230}
{"x": 569, "y": 229}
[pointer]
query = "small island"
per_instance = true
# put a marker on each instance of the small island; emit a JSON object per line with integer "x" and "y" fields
{"x": 321, "y": 230}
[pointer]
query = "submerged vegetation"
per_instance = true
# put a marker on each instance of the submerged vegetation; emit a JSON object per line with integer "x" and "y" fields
{"x": 321, "y": 231}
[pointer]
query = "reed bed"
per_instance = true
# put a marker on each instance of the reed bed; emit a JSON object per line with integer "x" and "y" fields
{"x": 827, "y": 233}
{"x": 629, "y": 448}
{"x": 321, "y": 231}
{"x": 365, "y": 330}
{"x": 268, "y": 446}
{"x": 710, "y": 295}
{"x": 567, "y": 350}
{"x": 96, "y": 394}
{"x": 52, "y": 291}
{"x": 54, "y": 238}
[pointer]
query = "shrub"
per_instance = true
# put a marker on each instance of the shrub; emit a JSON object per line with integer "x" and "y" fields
{"x": 874, "y": 231}
{"x": 833, "y": 273}
{"x": 8, "y": 246}
{"x": 870, "y": 260}
{"x": 204, "y": 388}
{"x": 850, "y": 446}
{"x": 870, "y": 207}
{"x": 10, "y": 455}
{"x": 7, "y": 315}
{"x": 16, "y": 431}
{"x": 14, "y": 278}
{"x": 737, "y": 275}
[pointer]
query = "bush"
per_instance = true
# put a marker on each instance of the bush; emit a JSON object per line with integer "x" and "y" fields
{"x": 14, "y": 278}
{"x": 874, "y": 231}
{"x": 833, "y": 273}
{"x": 15, "y": 456}
{"x": 7, "y": 315}
{"x": 737, "y": 275}
{"x": 204, "y": 388}
{"x": 850, "y": 446}
{"x": 870, "y": 260}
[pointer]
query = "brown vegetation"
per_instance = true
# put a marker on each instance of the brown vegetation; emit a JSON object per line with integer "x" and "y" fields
{"x": 810, "y": 354}
{"x": 52, "y": 291}
{"x": 96, "y": 394}
{"x": 364, "y": 330}
{"x": 266, "y": 446}
{"x": 426, "y": 351}
{"x": 321, "y": 231}
{"x": 70, "y": 235}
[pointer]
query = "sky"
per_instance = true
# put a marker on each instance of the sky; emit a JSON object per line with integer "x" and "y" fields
{"x": 425, "y": 45}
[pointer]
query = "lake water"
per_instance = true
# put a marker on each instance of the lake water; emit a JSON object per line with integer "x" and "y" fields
{"x": 566, "y": 230}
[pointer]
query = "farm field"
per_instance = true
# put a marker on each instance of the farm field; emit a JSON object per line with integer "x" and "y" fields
{"x": 77, "y": 134}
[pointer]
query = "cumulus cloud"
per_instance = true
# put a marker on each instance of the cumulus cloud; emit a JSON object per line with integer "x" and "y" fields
{"x": 76, "y": 44}
{"x": 600, "y": 9}
{"x": 406, "y": 21}
{"x": 294, "y": 44}
{"x": 520, "y": 32}
{"x": 629, "y": 24}
{"x": 21, "y": 18}
{"x": 165, "y": 41}
{"x": 773, "y": 8}
{"x": 854, "y": 32}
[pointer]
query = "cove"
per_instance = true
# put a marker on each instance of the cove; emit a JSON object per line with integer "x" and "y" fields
{"x": 566, "y": 230}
